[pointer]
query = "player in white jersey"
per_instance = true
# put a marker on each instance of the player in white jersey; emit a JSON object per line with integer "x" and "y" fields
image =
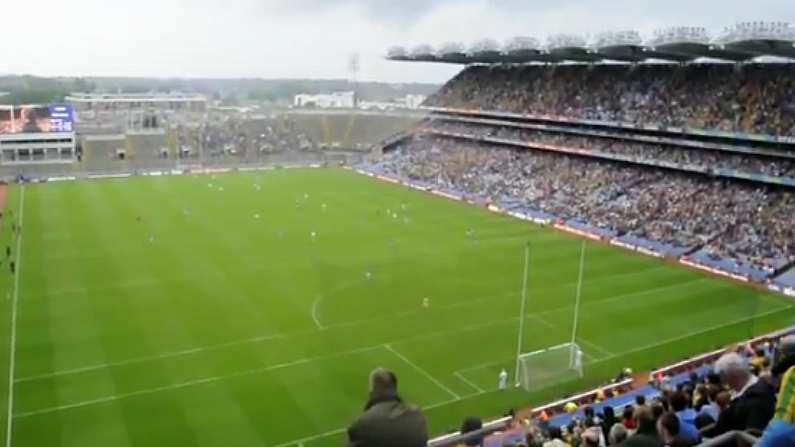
{"x": 578, "y": 361}
{"x": 503, "y": 383}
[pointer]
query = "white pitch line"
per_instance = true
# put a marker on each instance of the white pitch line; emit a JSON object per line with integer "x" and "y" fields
{"x": 595, "y": 346}
{"x": 247, "y": 372}
{"x": 117, "y": 397}
{"x": 13, "y": 342}
{"x": 422, "y": 371}
{"x": 468, "y": 382}
{"x": 314, "y": 312}
{"x": 165, "y": 355}
{"x": 693, "y": 334}
{"x": 298, "y": 442}
{"x": 543, "y": 321}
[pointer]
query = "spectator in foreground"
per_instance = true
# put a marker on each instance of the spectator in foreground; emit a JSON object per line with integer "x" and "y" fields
{"x": 555, "y": 438}
{"x": 781, "y": 430}
{"x": 387, "y": 421}
{"x": 646, "y": 436}
{"x": 618, "y": 434}
{"x": 668, "y": 427}
{"x": 752, "y": 400}
{"x": 472, "y": 424}
{"x": 609, "y": 420}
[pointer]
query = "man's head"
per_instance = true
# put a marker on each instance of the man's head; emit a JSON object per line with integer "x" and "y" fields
{"x": 640, "y": 399}
{"x": 668, "y": 427}
{"x": 554, "y": 433}
{"x": 383, "y": 381}
{"x": 786, "y": 346}
{"x": 733, "y": 371}
{"x": 618, "y": 433}
{"x": 590, "y": 437}
{"x": 472, "y": 424}
{"x": 678, "y": 401}
{"x": 645, "y": 420}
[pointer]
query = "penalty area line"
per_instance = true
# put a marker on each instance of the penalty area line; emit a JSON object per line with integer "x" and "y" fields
{"x": 468, "y": 382}
{"x": 422, "y": 371}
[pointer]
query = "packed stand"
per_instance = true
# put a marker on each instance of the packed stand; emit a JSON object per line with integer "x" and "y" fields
{"x": 756, "y": 99}
{"x": 735, "y": 219}
{"x": 648, "y": 152}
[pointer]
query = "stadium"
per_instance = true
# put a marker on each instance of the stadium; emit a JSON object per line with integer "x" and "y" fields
{"x": 564, "y": 232}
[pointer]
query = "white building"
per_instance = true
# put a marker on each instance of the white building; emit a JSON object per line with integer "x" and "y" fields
{"x": 410, "y": 102}
{"x": 415, "y": 101}
{"x": 336, "y": 100}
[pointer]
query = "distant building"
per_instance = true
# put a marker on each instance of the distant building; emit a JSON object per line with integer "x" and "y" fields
{"x": 137, "y": 101}
{"x": 336, "y": 100}
{"x": 410, "y": 102}
{"x": 415, "y": 101}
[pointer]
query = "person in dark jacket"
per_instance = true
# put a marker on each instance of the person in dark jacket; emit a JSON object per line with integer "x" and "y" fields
{"x": 387, "y": 421}
{"x": 785, "y": 357}
{"x": 608, "y": 420}
{"x": 646, "y": 436}
{"x": 753, "y": 401}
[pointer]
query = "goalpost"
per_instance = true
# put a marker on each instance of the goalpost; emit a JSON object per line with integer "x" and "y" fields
{"x": 544, "y": 367}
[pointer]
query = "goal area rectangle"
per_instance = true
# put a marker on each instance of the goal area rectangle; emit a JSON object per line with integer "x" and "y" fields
{"x": 546, "y": 367}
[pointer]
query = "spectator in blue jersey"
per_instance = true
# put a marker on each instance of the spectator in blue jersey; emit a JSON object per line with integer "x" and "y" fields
{"x": 687, "y": 417}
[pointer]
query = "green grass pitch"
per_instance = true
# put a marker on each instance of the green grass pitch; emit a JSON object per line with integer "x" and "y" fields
{"x": 201, "y": 324}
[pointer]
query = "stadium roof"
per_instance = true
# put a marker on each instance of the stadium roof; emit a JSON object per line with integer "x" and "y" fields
{"x": 747, "y": 41}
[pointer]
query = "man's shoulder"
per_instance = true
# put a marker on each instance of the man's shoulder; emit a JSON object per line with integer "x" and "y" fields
{"x": 761, "y": 389}
{"x": 641, "y": 440}
{"x": 390, "y": 409}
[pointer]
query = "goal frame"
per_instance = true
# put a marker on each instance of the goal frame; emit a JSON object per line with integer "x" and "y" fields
{"x": 523, "y": 314}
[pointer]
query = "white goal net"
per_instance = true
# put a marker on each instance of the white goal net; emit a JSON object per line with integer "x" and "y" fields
{"x": 546, "y": 367}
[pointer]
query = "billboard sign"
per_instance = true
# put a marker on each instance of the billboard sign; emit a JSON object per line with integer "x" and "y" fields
{"x": 36, "y": 119}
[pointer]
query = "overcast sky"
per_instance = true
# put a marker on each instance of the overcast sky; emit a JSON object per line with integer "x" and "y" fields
{"x": 313, "y": 38}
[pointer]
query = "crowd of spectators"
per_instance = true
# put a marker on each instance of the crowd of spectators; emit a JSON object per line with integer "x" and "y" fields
{"x": 741, "y": 220}
{"x": 754, "y": 98}
{"x": 649, "y": 152}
